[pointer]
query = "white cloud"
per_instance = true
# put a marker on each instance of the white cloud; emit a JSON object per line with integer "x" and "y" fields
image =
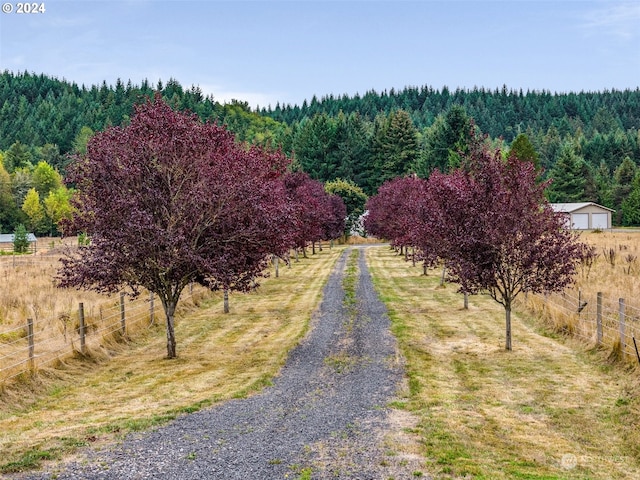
{"x": 254, "y": 99}
{"x": 620, "y": 20}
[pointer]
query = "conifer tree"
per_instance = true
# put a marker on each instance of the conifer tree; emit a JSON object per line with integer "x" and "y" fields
{"x": 568, "y": 182}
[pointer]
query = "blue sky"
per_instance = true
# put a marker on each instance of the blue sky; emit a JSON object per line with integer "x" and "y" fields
{"x": 268, "y": 51}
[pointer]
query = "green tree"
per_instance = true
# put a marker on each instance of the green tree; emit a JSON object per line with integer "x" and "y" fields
{"x": 351, "y": 148}
{"x": 45, "y": 179}
{"x": 395, "y": 147}
{"x": 20, "y": 239}
{"x": 550, "y": 146}
{"x": 34, "y": 210}
{"x": 9, "y": 213}
{"x": 18, "y": 156}
{"x": 623, "y": 180}
{"x": 523, "y": 150}
{"x": 314, "y": 146}
{"x": 444, "y": 141}
{"x": 57, "y": 206}
{"x": 21, "y": 183}
{"x": 50, "y": 153}
{"x": 81, "y": 140}
{"x": 353, "y": 197}
{"x": 631, "y": 205}
{"x": 568, "y": 183}
{"x": 604, "y": 186}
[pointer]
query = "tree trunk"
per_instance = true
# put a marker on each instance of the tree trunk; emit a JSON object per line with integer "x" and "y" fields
{"x": 225, "y": 296}
{"x": 444, "y": 272}
{"x": 507, "y": 310}
{"x": 313, "y": 248}
{"x": 275, "y": 261}
{"x": 466, "y": 301}
{"x": 170, "y": 310}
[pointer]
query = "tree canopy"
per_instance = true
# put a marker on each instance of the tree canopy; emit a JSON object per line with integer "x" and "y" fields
{"x": 168, "y": 200}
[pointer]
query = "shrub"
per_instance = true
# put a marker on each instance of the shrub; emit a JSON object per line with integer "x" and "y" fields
{"x": 20, "y": 239}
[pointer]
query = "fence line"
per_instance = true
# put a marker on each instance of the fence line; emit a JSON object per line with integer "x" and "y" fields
{"x": 40, "y": 342}
{"x": 596, "y": 320}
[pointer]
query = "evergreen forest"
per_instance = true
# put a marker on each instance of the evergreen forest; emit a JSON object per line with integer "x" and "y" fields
{"x": 587, "y": 142}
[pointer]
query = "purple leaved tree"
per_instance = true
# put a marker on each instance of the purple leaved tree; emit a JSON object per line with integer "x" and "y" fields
{"x": 492, "y": 225}
{"x": 311, "y": 207}
{"x": 393, "y": 213}
{"x": 168, "y": 200}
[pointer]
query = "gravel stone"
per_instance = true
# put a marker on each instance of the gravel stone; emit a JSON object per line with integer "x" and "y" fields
{"x": 325, "y": 416}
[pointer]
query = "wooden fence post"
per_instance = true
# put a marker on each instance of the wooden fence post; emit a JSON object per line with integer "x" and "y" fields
{"x": 83, "y": 345}
{"x": 32, "y": 364}
{"x": 151, "y": 308}
{"x": 621, "y": 316}
{"x": 123, "y": 324}
{"x": 599, "y": 319}
{"x": 581, "y": 304}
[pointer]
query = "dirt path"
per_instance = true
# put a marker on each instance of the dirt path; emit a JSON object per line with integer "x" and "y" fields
{"x": 326, "y": 416}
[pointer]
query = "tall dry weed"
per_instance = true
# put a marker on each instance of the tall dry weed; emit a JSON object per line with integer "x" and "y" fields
{"x": 613, "y": 272}
{"x": 29, "y": 291}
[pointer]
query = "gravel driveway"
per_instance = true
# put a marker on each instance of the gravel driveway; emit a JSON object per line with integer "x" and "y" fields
{"x": 325, "y": 416}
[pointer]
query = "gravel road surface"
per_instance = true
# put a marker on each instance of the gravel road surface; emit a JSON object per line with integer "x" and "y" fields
{"x": 325, "y": 417}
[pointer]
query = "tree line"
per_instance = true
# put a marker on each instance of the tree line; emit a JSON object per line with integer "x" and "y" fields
{"x": 599, "y": 167}
{"x": 588, "y": 142}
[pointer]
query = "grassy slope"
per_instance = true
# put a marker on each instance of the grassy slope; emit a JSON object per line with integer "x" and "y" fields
{"x": 219, "y": 357}
{"x": 549, "y": 409}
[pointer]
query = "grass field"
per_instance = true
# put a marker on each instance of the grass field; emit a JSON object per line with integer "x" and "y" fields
{"x": 549, "y": 409}
{"x": 615, "y": 273}
{"x": 29, "y": 291}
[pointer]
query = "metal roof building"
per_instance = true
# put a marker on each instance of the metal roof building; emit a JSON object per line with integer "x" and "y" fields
{"x": 6, "y": 241}
{"x": 585, "y": 215}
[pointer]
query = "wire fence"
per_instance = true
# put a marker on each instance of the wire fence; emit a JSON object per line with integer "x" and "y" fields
{"x": 41, "y": 342}
{"x": 610, "y": 323}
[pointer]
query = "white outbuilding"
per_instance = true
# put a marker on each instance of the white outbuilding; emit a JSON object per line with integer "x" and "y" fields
{"x": 585, "y": 215}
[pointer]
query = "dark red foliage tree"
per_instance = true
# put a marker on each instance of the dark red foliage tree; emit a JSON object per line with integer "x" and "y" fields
{"x": 167, "y": 201}
{"x": 492, "y": 225}
{"x": 488, "y": 221}
{"x": 393, "y": 213}
{"x": 311, "y": 209}
{"x": 335, "y": 222}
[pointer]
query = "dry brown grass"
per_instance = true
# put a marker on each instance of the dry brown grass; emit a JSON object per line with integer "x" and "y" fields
{"x": 546, "y": 410}
{"x": 28, "y": 289}
{"x": 615, "y": 272}
{"x": 29, "y": 292}
{"x": 219, "y": 357}
{"x": 620, "y": 280}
